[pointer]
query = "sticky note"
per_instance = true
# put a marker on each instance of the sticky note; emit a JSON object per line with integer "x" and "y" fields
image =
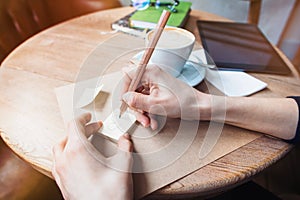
{"x": 113, "y": 126}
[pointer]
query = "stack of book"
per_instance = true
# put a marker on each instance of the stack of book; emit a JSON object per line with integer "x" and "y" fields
{"x": 138, "y": 22}
{"x": 123, "y": 25}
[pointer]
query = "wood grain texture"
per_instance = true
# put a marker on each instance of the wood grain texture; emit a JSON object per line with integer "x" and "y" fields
{"x": 227, "y": 172}
{"x": 30, "y": 120}
{"x": 254, "y": 11}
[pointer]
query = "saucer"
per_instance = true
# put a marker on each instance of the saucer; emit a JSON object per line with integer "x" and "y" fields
{"x": 191, "y": 74}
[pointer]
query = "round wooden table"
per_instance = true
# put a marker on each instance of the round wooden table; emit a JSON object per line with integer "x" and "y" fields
{"x": 44, "y": 62}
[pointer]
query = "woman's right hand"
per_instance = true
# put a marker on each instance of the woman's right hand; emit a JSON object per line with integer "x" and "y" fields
{"x": 159, "y": 93}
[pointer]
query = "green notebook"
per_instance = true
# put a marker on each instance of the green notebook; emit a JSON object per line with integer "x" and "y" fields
{"x": 149, "y": 18}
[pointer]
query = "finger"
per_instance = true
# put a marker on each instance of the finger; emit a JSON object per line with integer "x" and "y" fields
{"x": 147, "y": 120}
{"x": 92, "y": 128}
{"x": 76, "y": 128}
{"x": 124, "y": 143}
{"x": 57, "y": 151}
{"x": 122, "y": 161}
{"x": 130, "y": 73}
{"x": 153, "y": 122}
{"x": 159, "y": 117}
{"x": 154, "y": 90}
{"x": 140, "y": 89}
{"x": 138, "y": 100}
{"x": 143, "y": 119}
{"x": 84, "y": 119}
{"x": 59, "y": 147}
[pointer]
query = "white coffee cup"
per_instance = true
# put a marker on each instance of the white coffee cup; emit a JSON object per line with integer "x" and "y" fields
{"x": 172, "y": 50}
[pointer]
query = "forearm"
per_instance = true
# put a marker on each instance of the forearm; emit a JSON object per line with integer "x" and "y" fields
{"x": 274, "y": 116}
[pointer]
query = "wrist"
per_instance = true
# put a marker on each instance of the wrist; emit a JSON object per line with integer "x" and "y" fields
{"x": 211, "y": 107}
{"x": 204, "y": 106}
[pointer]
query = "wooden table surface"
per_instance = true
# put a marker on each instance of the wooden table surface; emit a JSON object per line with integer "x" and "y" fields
{"x": 50, "y": 59}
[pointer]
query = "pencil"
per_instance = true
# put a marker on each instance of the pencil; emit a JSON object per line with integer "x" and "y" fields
{"x": 146, "y": 57}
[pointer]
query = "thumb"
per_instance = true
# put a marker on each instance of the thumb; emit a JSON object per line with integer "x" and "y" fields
{"x": 137, "y": 100}
{"x": 125, "y": 144}
{"x": 122, "y": 160}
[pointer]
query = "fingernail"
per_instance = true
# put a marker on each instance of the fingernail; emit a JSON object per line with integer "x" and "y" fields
{"x": 100, "y": 123}
{"x": 127, "y": 136}
{"x": 153, "y": 127}
{"x": 144, "y": 124}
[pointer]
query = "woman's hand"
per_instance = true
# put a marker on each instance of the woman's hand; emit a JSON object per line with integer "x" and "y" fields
{"x": 162, "y": 94}
{"x": 81, "y": 172}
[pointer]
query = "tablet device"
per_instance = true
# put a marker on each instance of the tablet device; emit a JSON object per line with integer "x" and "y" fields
{"x": 240, "y": 46}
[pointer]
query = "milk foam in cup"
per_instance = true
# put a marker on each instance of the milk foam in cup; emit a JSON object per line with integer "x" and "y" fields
{"x": 172, "y": 50}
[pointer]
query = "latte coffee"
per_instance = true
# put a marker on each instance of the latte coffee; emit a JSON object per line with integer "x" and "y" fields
{"x": 173, "y": 49}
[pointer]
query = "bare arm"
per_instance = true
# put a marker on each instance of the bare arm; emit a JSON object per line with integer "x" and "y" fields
{"x": 274, "y": 116}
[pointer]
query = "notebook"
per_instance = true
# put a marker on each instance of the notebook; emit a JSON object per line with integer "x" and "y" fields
{"x": 122, "y": 25}
{"x": 149, "y": 18}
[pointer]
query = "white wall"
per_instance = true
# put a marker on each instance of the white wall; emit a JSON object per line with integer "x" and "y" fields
{"x": 273, "y": 17}
{"x": 232, "y": 9}
{"x": 274, "y": 13}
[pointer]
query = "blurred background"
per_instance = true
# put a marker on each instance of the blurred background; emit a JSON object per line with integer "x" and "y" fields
{"x": 278, "y": 19}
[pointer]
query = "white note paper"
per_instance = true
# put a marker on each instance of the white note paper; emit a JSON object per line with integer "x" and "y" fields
{"x": 231, "y": 83}
{"x": 113, "y": 126}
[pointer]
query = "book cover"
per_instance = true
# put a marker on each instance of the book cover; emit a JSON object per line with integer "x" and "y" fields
{"x": 122, "y": 25}
{"x": 148, "y": 18}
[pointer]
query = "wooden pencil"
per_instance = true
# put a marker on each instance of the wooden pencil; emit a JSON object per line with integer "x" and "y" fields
{"x": 146, "y": 56}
